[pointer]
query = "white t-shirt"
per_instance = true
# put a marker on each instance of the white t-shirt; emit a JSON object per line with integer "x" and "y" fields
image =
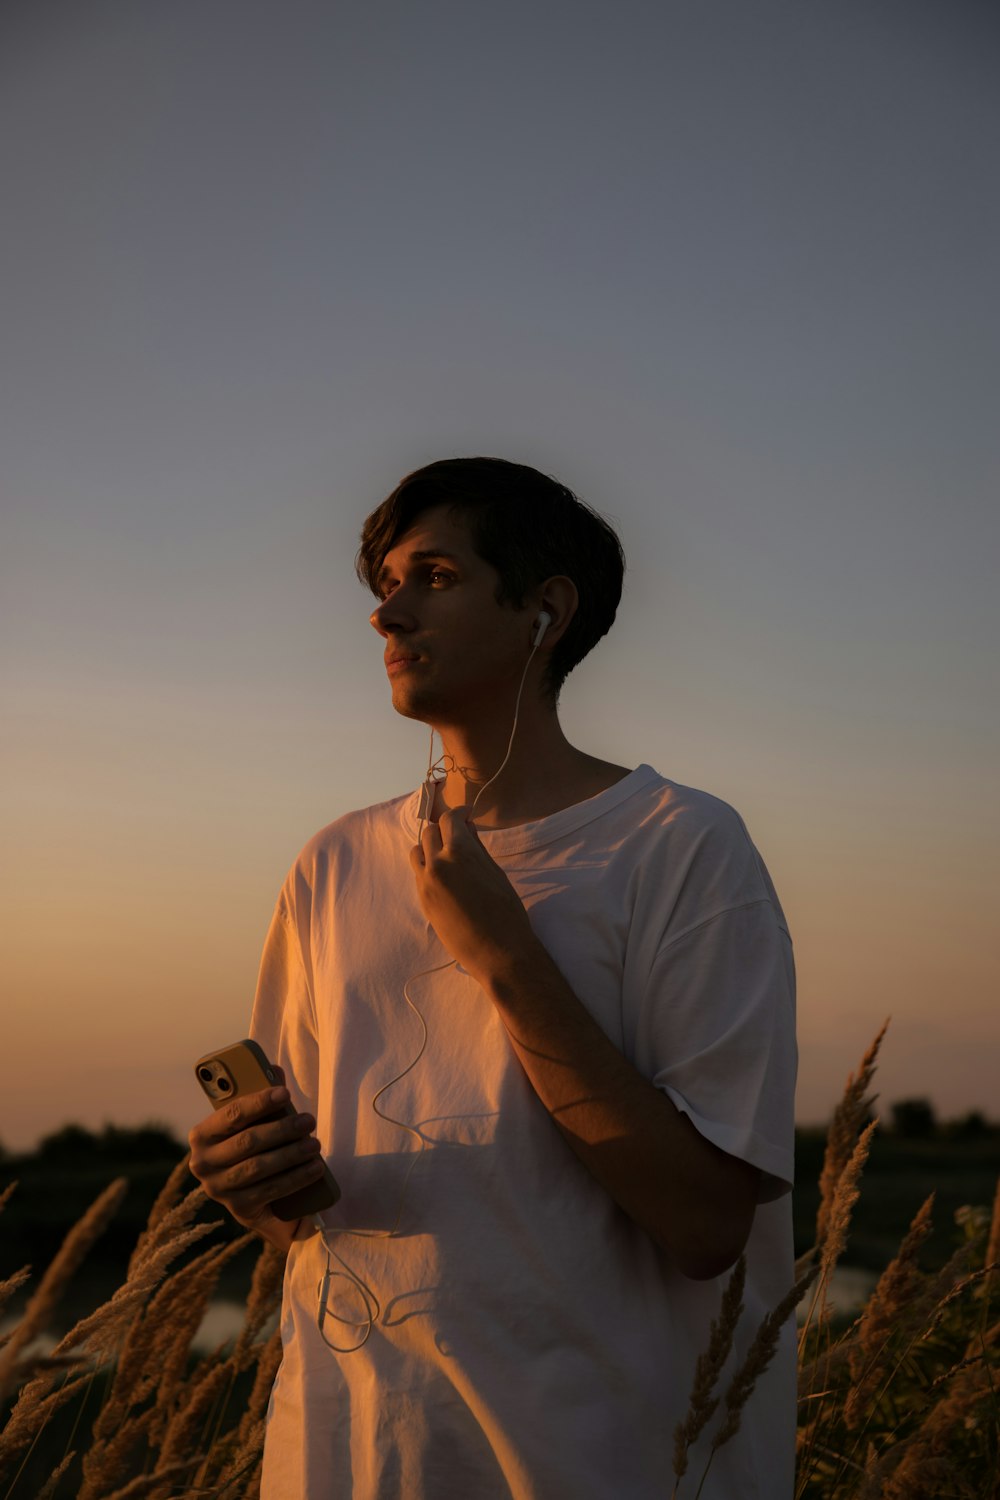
{"x": 532, "y": 1341}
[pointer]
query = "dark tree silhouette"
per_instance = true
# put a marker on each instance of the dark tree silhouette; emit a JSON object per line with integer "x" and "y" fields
{"x": 914, "y": 1119}
{"x": 75, "y": 1145}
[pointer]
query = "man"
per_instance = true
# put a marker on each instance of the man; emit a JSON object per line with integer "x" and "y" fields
{"x": 540, "y": 1017}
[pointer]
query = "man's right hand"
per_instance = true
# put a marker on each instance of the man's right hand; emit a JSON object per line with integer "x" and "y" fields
{"x": 245, "y": 1161}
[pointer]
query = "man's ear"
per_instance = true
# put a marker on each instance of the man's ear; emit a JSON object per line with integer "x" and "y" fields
{"x": 559, "y": 599}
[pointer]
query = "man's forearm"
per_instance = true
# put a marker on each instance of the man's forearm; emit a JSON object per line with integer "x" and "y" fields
{"x": 695, "y": 1200}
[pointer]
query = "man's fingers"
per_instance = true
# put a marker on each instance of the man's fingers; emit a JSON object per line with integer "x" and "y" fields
{"x": 265, "y": 1135}
{"x": 246, "y": 1203}
{"x": 266, "y": 1113}
{"x": 250, "y": 1171}
{"x": 250, "y": 1185}
{"x": 237, "y": 1114}
{"x": 430, "y": 844}
{"x": 454, "y": 826}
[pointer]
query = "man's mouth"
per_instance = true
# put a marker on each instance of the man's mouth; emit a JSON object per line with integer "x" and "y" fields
{"x": 400, "y": 660}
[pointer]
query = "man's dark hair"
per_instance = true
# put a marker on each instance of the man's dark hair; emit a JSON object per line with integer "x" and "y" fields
{"x": 527, "y": 526}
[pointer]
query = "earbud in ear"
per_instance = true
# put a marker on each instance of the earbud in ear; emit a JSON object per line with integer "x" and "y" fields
{"x": 542, "y": 624}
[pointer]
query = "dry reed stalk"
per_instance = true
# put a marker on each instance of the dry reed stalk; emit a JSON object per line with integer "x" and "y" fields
{"x": 760, "y": 1354}
{"x": 166, "y": 1230}
{"x": 961, "y": 1364}
{"x": 10, "y": 1288}
{"x": 147, "y": 1484}
{"x": 845, "y": 1196}
{"x": 36, "y": 1403}
{"x": 99, "y": 1332}
{"x": 267, "y": 1369}
{"x": 909, "y": 1301}
{"x": 872, "y": 1478}
{"x": 264, "y": 1299}
{"x": 265, "y": 1292}
{"x": 993, "y": 1249}
{"x": 889, "y": 1310}
{"x": 757, "y": 1359}
{"x": 844, "y": 1199}
{"x": 51, "y": 1484}
{"x": 940, "y": 1305}
{"x": 106, "y": 1457}
{"x": 149, "y": 1271}
{"x": 156, "y": 1350}
{"x": 34, "y": 1366}
{"x": 939, "y": 1289}
{"x": 805, "y": 1262}
{"x": 848, "y": 1120}
{"x": 72, "y": 1251}
{"x": 166, "y": 1200}
{"x": 138, "y": 1370}
{"x": 816, "y": 1376}
{"x": 191, "y": 1417}
{"x": 147, "y": 1275}
{"x": 244, "y": 1484}
{"x": 702, "y": 1404}
{"x": 182, "y": 1300}
{"x": 970, "y": 1385}
{"x": 246, "y": 1459}
{"x": 252, "y": 1490}
{"x": 171, "y": 1343}
{"x": 920, "y": 1475}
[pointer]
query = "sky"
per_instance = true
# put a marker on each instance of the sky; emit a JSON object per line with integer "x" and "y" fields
{"x": 726, "y": 270}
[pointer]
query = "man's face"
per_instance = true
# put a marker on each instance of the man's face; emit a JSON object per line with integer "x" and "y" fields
{"x": 451, "y": 650}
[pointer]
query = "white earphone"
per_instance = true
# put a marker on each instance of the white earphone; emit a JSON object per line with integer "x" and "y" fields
{"x": 541, "y": 626}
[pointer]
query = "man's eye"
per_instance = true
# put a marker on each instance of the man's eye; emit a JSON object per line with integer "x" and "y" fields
{"x": 436, "y": 576}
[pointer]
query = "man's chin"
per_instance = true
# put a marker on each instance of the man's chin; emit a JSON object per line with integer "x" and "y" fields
{"x": 410, "y": 705}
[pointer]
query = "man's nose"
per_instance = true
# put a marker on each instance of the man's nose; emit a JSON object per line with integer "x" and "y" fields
{"x": 393, "y": 616}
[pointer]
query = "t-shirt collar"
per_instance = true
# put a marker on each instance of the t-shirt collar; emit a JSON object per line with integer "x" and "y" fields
{"x": 522, "y": 836}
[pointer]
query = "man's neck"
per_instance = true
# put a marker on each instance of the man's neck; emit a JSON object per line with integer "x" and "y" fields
{"x": 544, "y": 773}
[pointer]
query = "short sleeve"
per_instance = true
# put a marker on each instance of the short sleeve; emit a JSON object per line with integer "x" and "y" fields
{"x": 717, "y": 1035}
{"x": 284, "y": 1016}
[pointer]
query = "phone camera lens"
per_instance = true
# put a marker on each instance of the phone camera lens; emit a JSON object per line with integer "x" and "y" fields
{"x": 205, "y": 1074}
{"x": 224, "y": 1085}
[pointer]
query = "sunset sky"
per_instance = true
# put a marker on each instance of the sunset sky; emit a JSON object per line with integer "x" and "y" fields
{"x": 728, "y": 270}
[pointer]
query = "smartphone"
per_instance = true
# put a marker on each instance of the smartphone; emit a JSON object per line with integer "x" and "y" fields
{"x": 243, "y": 1069}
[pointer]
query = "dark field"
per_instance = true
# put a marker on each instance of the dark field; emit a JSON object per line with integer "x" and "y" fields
{"x": 898, "y": 1176}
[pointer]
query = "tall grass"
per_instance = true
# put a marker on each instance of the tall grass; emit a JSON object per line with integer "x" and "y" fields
{"x": 165, "y": 1423}
{"x": 902, "y": 1403}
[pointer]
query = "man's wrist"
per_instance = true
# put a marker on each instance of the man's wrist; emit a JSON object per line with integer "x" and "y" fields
{"x": 510, "y": 976}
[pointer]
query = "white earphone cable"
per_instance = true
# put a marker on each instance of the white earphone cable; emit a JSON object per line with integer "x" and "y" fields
{"x": 370, "y": 1301}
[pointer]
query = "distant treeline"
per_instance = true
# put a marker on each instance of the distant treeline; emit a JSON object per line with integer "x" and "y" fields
{"x": 917, "y": 1120}
{"x": 120, "y": 1145}
{"x": 117, "y": 1144}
